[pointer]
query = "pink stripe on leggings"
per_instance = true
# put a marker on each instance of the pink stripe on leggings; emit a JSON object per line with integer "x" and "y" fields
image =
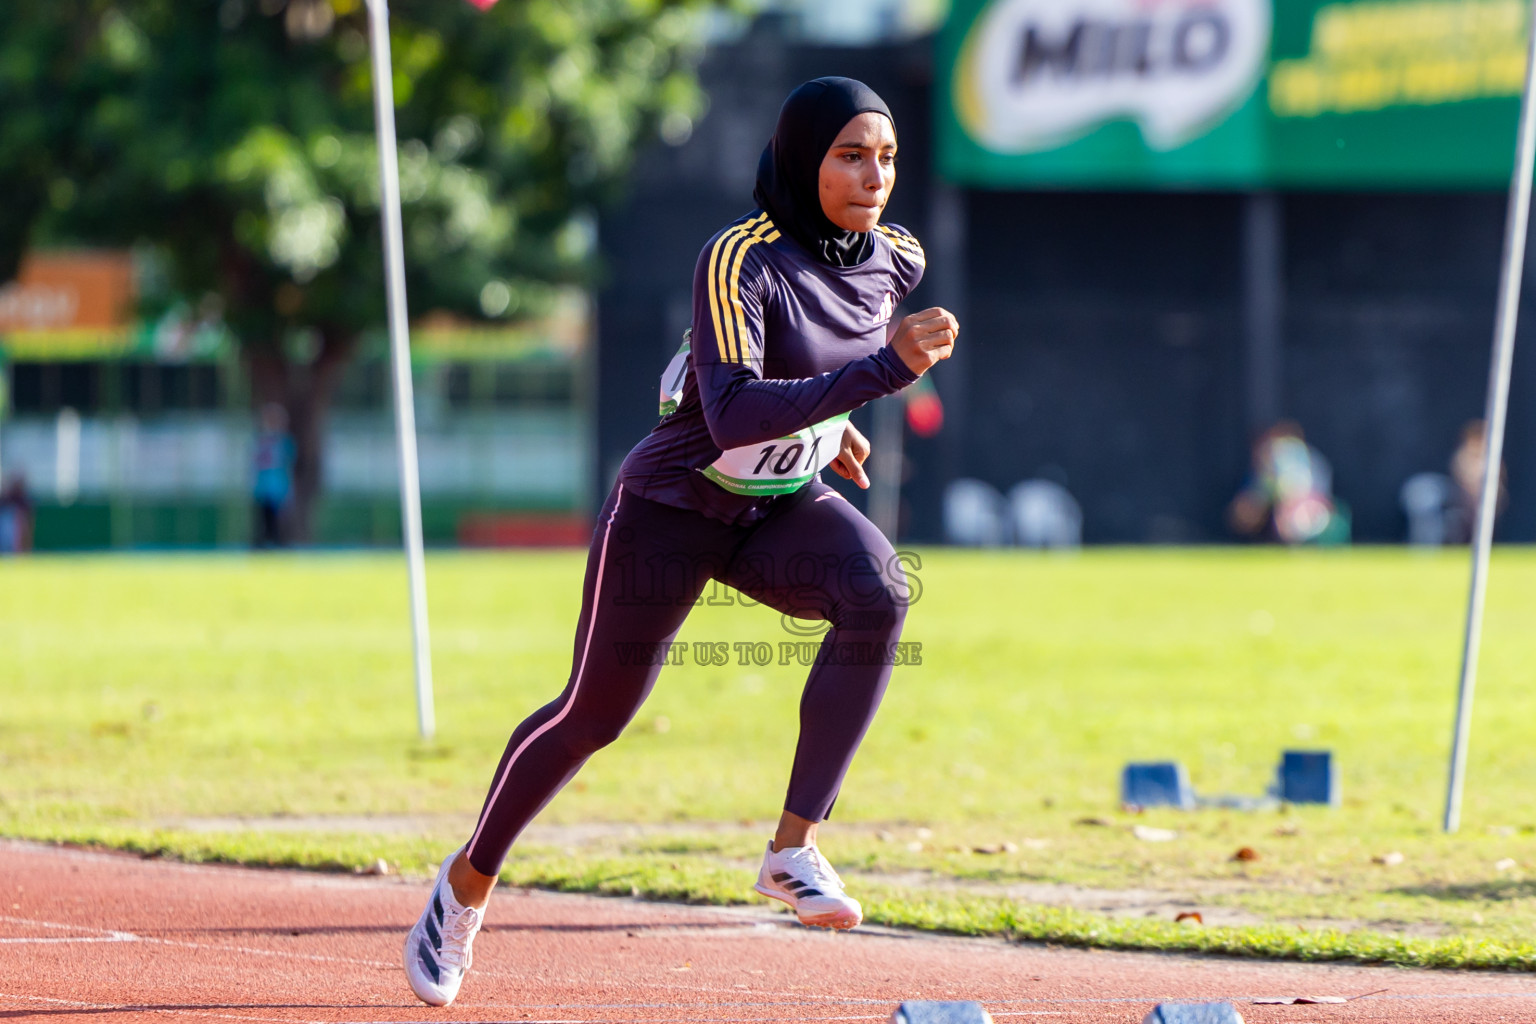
{"x": 597, "y": 590}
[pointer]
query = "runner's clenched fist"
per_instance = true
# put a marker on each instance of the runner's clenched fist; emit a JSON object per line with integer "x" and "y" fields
{"x": 924, "y": 338}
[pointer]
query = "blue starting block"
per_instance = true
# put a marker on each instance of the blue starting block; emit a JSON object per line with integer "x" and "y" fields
{"x": 916, "y": 1011}
{"x": 1309, "y": 777}
{"x": 1193, "y": 1013}
{"x": 1156, "y": 784}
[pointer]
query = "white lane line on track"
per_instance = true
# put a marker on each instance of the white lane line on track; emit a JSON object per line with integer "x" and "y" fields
{"x": 44, "y": 942}
{"x": 1249, "y": 999}
{"x": 187, "y": 1011}
{"x": 110, "y": 935}
{"x": 184, "y": 1011}
{"x": 102, "y": 934}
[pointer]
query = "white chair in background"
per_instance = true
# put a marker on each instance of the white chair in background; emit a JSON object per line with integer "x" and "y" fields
{"x": 975, "y": 514}
{"x": 1044, "y": 515}
{"x": 1426, "y": 500}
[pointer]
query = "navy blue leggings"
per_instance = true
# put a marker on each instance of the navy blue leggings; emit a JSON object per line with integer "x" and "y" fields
{"x": 813, "y": 557}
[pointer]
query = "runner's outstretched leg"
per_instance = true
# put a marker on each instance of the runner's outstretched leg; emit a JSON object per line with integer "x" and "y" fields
{"x": 647, "y": 566}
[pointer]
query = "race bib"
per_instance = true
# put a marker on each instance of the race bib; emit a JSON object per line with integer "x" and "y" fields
{"x": 776, "y": 467}
{"x": 780, "y": 466}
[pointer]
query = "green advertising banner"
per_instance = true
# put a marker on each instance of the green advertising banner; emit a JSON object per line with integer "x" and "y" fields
{"x": 1230, "y": 93}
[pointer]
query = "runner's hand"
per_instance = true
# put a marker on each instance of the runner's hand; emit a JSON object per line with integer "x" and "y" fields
{"x": 922, "y": 339}
{"x": 849, "y": 463}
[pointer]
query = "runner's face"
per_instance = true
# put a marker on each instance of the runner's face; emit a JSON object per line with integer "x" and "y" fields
{"x": 858, "y": 172}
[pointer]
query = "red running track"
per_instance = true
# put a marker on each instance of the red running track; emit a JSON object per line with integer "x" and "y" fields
{"x": 104, "y": 938}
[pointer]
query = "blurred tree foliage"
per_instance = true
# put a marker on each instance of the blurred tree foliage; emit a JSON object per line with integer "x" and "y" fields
{"x": 236, "y": 138}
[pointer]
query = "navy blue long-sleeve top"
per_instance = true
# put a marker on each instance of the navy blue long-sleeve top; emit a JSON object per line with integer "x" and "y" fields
{"x": 781, "y": 343}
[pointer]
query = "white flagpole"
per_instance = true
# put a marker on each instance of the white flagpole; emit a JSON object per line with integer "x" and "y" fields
{"x": 400, "y": 357}
{"x": 1518, "y": 218}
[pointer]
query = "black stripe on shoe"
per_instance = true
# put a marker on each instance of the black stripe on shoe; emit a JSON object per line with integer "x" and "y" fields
{"x": 796, "y": 884}
{"x": 425, "y": 952}
{"x": 809, "y": 892}
{"x": 782, "y": 876}
{"x": 437, "y": 905}
{"x": 437, "y": 940}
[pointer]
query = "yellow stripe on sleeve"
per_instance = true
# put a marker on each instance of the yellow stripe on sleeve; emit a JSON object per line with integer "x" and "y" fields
{"x": 718, "y": 290}
{"x": 759, "y": 234}
{"x": 714, "y": 304}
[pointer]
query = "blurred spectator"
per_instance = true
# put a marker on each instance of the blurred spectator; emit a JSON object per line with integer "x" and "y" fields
{"x": 975, "y": 514}
{"x": 15, "y": 516}
{"x": 1467, "y": 468}
{"x": 1289, "y": 493}
{"x": 1429, "y": 503}
{"x": 275, "y": 451}
{"x": 1045, "y": 515}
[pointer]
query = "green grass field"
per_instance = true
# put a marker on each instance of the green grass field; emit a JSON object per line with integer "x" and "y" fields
{"x": 260, "y": 710}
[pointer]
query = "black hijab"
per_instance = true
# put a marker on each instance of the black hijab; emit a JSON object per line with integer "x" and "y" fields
{"x": 789, "y": 173}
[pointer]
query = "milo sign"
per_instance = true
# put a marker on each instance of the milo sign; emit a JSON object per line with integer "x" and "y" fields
{"x": 1230, "y": 94}
{"x": 1033, "y": 75}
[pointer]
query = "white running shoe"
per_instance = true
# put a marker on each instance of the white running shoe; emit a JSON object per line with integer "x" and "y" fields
{"x": 437, "y": 951}
{"x": 801, "y": 877}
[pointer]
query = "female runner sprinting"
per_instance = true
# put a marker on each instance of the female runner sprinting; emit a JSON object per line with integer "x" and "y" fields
{"x": 791, "y": 312}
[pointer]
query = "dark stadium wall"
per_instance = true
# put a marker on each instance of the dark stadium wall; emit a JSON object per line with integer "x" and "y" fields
{"x": 1105, "y": 355}
{"x": 1388, "y": 335}
{"x": 1104, "y": 333}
